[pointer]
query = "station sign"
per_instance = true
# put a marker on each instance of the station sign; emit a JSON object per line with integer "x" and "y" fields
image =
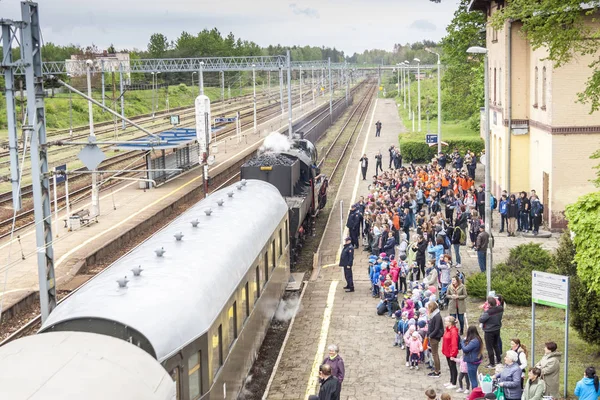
{"x": 174, "y": 119}
{"x": 550, "y": 289}
{"x": 431, "y": 139}
{"x": 225, "y": 120}
{"x": 60, "y": 177}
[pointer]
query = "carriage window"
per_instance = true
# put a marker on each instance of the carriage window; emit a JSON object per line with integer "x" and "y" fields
{"x": 194, "y": 378}
{"x": 280, "y": 243}
{"x": 257, "y": 290}
{"x": 273, "y": 254}
{"x": 266, "y": 262}
{"x": 232, "y": 315}
{"x": 217, "y": 350}
{"x": 175, "y": 377}
{"x": 287, "y": 233}
{"x": 246, "y": 302}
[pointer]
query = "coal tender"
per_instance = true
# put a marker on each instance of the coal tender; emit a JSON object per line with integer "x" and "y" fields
{"x": 294, "y": 172}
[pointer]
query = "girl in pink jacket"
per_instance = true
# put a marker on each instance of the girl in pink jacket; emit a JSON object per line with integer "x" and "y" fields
{"x": 416, "y": 347}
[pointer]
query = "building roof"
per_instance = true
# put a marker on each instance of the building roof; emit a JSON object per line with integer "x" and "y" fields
{"x": 80, "y": 365}
{"x": 479, "y": 5}
{"x": 178, "y": 296}
{"x": 170, "y": 139}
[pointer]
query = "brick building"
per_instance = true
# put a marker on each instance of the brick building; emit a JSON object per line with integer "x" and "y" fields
{"x": 552, "y": 136}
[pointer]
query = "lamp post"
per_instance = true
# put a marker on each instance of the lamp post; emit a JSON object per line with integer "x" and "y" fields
{"x": 398, "y": 66}
{"x": 195, "y": 72}
{"x": 439, "y": 83}
{"x": 301, "y": 87}
{"x": 201, "y": 77}
{"x": 153, "y": 95}
{"x": 488, "y": 162}
{"x": 419, "y": 89}
{"x": 410, "y": 116}
{"x": 254, "y": 92}
{"x": 312, "y": 83}
{"x": 156, "y": 91}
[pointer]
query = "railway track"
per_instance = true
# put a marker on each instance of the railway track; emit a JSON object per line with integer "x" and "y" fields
{"x": 188, "y": 119}
{"x": 33, "y": 324}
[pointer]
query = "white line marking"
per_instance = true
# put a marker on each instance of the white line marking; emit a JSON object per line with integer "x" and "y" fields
{"x": 314, "y": 378}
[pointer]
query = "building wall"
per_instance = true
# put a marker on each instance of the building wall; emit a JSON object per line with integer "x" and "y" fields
{"x": 572, "y": 171}
{"x": 542, "y": 111}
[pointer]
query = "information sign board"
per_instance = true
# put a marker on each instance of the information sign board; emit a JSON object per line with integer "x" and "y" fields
{"x": 550, "y": 289}
{"x": 431, "y": 139}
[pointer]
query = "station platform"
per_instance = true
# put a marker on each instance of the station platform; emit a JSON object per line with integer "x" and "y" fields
{"x": 375, "y": 369}
{"x": 123, "y": 209}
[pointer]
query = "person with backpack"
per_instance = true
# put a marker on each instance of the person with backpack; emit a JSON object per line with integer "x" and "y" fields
{"x": 472, "y": 347}
{"x": 536, "y": 213}
{"x": 503, "y": 213}
{"x": 512, "y": 213}
{"x": 457, "y": 239}
{"x": 457, "y": 293}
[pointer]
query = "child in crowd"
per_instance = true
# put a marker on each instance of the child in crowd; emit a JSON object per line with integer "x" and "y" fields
{"x": 416, "y": 347}
{"x": 462, "y": 375}
{"x": 408, "y": 338}
{"x": 403, "y": 267}
{"x": 401, "y": 327}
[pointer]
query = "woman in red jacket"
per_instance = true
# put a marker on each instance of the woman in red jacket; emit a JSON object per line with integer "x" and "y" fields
{"x": 450, "y": 349}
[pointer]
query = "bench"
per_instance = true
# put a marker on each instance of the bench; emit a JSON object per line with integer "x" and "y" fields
{"x": 82, "y": 216}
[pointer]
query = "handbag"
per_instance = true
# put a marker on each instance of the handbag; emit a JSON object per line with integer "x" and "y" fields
{"x": 500, "y": 393}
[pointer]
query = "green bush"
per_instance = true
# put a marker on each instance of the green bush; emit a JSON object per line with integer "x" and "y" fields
{"x": 512, "y": 279}
{"x": 419, "y": 151}
{"x": 585, "y": 314}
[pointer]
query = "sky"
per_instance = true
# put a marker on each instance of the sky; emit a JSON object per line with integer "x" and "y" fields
{"x": 348, "y": 25}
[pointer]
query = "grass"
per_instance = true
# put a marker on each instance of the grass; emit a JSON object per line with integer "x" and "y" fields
{"x": 451, "y": 130}
{"x": 550, "y": 326}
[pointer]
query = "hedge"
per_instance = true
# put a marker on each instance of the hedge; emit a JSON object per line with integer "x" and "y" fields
{"x": 513, "y": 279}
{"x": 419, "y": 151}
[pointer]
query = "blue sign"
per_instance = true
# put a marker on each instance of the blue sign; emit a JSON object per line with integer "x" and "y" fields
{"x": 218, "y": 120}
{"x": 60, "y": 176}
{"x": 431, "y": 139}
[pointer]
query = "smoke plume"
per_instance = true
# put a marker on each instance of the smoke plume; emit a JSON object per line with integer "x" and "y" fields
{"x": 275, "y": 143}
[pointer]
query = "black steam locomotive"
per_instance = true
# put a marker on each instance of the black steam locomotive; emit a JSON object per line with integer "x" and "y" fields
{"x": 295, "y": 174}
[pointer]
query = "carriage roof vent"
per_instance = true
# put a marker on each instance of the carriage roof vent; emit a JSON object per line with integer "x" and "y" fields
{"x": 208, "y": 211}
{"x": 137, "y": 270}
{"x": 178, "y": 236}
{"x": 230, "y": 194}
{"x": 195, "y": 223}
{"x": 160, "y": 252}
{"x": 123, "y": 282}
{"x": 220, "y": 202}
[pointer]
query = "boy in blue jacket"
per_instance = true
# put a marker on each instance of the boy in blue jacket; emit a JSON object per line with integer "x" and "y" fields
{"x": 503, "y": 209}
{"x": 401, "y": 327}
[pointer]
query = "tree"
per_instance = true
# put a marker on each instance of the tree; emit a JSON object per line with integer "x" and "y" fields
{"x": 463, "y": 78}
{"x": 567, "y": 28}
{"x": 585, "y": 316}
{"x": 158, "y": 45}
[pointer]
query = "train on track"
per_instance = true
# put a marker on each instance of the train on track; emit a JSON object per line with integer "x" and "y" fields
{"x": 197, "y": 296}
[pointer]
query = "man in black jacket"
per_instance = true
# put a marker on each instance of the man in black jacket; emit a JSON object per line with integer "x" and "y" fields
{"x": 329, "y": 385}
{"x": 346, "y": 261}
{"x": 364, "y": 164}
{"x": 492, "y": 322}
{"x": 481, "y": 202}
{"x": 435, "y": 332}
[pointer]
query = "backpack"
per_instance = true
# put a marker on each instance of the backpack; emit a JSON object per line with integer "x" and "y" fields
{"x": 541, "y": 208}
{"x": 463, "y": 236}
{"x": 493, "y": 202}
{"x": 447, "y": 242}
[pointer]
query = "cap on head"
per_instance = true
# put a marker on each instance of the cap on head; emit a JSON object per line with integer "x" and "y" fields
{"x": 348, "y": 239}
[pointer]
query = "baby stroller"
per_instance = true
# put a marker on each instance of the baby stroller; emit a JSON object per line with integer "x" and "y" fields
{"x": 443, "y": 298}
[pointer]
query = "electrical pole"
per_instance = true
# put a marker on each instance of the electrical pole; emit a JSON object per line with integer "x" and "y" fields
{"x": 301, "y": 103}
{"x": 222, "y": 90}
{"x": 103, "y": 84}
{"x": 419, "y": 91}
{"x": 313, "y": 83}
{"x": 254, "y": 91}
{"x": 281, "y": 90}
{"x": 122, "y": 95}
{"x": 289, "y": 83}
{"x": 92, "y": 139}
{"x": 114, "y": 99}
{"x": 330, "y": 92}
{"x": 201, "y": 77}
{"x": 31, "y": 47}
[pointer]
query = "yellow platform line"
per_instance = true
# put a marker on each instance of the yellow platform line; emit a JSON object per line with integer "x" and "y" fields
{"x": 314, "y": 376}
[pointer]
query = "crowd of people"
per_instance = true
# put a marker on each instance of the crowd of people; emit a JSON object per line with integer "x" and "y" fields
{"x": 414, "y": 221}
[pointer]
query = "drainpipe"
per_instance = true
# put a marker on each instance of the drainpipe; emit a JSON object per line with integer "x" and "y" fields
{"x": 509, "y": 104}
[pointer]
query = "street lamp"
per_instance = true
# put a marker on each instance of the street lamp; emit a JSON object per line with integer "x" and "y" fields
{"x": 195, "y": 72}
{"x": 410, "y": 115}
{"x": 419, "y": 88}
{"x": 301, "y": 87}
{"x": 439, "y": 74}
{"x": 488, "y": 163}
{"x": 254, "y": 91}
{"x": 92, "y": 139}
{"x": 201, "y": 76}
{"x": 398, "y": 65}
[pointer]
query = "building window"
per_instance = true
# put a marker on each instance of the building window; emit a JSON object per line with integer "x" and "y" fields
{"x": 500, "y": 88}
{"x": 194, "y": 377}
{"x": 495, "y": 85}
{"x": 537, "y": 81}
{"x": 233, "y": 331}
{"x": 544, "y": 88}
{"x": 175, "y": 377}
{"x": 494, "y": 35}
